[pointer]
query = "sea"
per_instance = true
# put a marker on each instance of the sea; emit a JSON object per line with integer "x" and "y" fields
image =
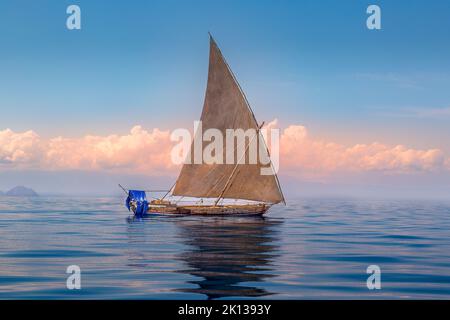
{"x": 309, "y": 249}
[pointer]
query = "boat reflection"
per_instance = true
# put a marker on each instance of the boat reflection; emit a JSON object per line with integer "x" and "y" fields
{"x": 226, "y": 253}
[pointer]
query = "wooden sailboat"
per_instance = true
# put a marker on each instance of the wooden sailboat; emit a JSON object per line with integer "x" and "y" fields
{"x": 225, "y": 107}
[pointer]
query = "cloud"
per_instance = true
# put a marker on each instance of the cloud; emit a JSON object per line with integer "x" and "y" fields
{"x": 138, "y": 151}
{"x": 430, "y": 112}
{"x": 434, "y": 113}
{"x": 19, "y": 148}
{"x": 398, "y": 80}
{"x": 144, "y": 151}
{"x": 305, "y": 155}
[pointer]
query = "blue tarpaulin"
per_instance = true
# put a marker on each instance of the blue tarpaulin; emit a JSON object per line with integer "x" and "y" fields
{"x": 140, "y": 198}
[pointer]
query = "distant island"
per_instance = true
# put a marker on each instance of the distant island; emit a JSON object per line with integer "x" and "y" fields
{"x": 20, "y": 191}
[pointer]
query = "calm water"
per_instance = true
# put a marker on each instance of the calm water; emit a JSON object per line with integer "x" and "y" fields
{"x": 309, "y": 249}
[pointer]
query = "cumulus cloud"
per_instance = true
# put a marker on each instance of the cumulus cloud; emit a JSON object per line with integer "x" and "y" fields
{"x": 138, "y": 151}
{"x": 145, "y": 151}
{"x": 19, "y": 148}
{"x": 317, "y": 157}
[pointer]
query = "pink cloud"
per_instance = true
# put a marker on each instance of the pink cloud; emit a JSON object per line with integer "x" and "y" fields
{"x": 307, "y": 156}
{"x": 19, "y": 148}
{"x": 138, "y": 151}
{"x": 148, "y": 152}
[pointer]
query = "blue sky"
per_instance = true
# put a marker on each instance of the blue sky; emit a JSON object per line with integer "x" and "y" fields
{"x": 312, "y": 62}
{"x": 305, "y": 62}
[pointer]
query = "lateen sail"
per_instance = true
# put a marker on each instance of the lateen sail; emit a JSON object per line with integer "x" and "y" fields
{"x": 226, "y": 107}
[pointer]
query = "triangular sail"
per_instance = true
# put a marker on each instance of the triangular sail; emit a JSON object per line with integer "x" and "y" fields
{"x": 225, "y": 107}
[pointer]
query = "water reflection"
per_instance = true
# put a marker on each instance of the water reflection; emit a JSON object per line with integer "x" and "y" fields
{"x": 226, "y": 253}
{"x": 139, "y": 238}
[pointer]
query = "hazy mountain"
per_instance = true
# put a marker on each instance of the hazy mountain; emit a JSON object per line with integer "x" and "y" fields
{"x": 21, "y": 191}
{"x": 1, "y": 193}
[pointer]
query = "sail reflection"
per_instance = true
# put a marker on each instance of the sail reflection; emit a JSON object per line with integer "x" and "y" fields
{"x": 226, "y": 253}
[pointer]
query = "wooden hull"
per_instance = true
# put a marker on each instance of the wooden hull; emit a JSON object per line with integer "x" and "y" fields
{"x": 208, "y": 210}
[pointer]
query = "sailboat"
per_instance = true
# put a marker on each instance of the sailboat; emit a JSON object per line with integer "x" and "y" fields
{"x": 233, "y": 189}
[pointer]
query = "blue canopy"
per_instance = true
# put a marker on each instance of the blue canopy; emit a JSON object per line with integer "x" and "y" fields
{"x": 140, "y": 198}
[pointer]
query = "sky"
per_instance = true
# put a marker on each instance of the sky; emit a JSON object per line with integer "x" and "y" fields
{"x": 361, "y": 111}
